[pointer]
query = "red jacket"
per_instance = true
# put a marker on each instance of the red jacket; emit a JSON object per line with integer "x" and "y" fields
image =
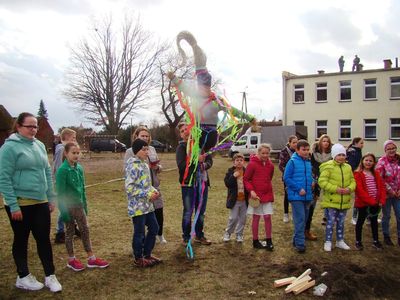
{"x": 258, "y": 178}
{"x": 362, "y": 197}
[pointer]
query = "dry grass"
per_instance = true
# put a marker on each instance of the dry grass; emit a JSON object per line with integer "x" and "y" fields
{"x": 220, "y": 271}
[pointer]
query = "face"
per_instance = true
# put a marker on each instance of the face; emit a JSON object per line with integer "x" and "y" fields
{"x": 143, "y": 153}
{"x": 325, "y": 144}
{"x": 304, "y": 152}
{"x": 238, "y": 163}
{"x": 391, "y": 150}
{"x": 264, "y": 154}
{"x": 73, "y": 154}
{"x": 340, "y": 158}
{"x": 144, "y": 135}
{"x": 184, "y": 133}
{"x": 360, "y": 144}
{"x": 71, "y": 138}
{"x": 293, "y": 143}
{"x": 368, "y": 162}
{"x": 28, "y": 128}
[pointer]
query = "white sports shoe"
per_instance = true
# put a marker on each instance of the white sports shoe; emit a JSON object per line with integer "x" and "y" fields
{"x": 328, "y": 246}
{"x": 52, "y": 283}
{"x": 286, "y": 218}
{"x": 239, "y": 238}
{"x": 226, "y": 237}
{"x": 342, "y": 245}
{"x": 354, "y": 221}
{"x": 28, "y": 282}
{"x": 161, "y": 239}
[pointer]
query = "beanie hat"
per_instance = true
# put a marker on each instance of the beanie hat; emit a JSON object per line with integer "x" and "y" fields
{"x": 387, "y": 143}
{"x": 338, "y": 149}
{"x": 137, "y": 145}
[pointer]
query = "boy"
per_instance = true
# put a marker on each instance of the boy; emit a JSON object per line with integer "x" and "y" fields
{"x": 141, "y": 194}
{"x": 237, "y": 199}
{"x": 299, "y": 183}
{"x": 67, "y": 135}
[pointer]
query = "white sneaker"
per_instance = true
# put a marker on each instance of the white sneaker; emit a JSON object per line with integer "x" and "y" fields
{"x": 342, "y": 245}
{"x": 239, "y": 238}
{"x": 29, "y": 282}
{"x": 379, "y": 220}
{"x": 52, "y": 283}
{"x": 161, "y": 239}
{"x": 354, "y": 221}
{"x": 328, "y": 246}
{"x": 286, "y": 218}
{"x": 226, "y": 237}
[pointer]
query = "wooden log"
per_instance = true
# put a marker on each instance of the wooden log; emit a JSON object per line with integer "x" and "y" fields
{"x": 306, "y": 272}
{"x": 296, "y": 283}
{"x": 304, "y": 287}
{"x": 284, "y": 281}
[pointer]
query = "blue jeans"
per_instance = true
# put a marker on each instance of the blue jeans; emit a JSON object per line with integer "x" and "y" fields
{"x": 60, "y": 224}
{"x": 386, "y": 212}
{"x": 143, "y": 244}
{"x": 191, "y": 199}
{"x": 300, "y": 210}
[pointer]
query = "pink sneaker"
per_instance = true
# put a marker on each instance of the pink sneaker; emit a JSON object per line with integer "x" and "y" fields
{"x": 97, "y": 263}
{"x": 75, "y": 265}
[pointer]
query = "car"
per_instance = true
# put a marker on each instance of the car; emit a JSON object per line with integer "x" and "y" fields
{"x": 160, "y": 147}
{"x": 106, "y": 144}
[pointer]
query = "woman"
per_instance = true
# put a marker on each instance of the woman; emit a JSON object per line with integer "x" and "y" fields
{"x": 27, "y": 188}
{"x": 388, "y": 167}
{"x": 143, "y": 133}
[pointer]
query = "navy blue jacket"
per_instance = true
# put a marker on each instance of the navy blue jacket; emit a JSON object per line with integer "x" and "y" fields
{"x": 353, "y": 157}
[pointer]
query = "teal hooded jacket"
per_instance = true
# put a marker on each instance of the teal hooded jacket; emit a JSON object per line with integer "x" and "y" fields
{"x": 25, "y": 171}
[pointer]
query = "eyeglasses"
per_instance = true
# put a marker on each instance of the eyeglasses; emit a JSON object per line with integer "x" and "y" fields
{"x": 391, "y": 149}
{"x": 30, "y": 126}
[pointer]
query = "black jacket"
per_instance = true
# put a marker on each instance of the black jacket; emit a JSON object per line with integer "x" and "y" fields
{"x": 231, "y": 184}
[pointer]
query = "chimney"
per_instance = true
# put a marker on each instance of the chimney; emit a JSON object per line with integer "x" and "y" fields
{"x": 321, "y": 72}
{"x": 387, "y": 64}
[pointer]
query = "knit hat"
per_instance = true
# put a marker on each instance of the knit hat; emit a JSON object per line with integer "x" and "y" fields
{"x": 137, "y": 145}
{"x": 387, "y": 143}
{"x": 338, "y": 149}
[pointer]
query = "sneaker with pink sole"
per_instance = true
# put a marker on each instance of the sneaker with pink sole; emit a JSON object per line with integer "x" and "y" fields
{"x": 97, "y": 263}
{"x": 75, "y": 265}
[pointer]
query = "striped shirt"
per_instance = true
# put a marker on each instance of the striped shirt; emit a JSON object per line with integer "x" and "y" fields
{"x": 371, "y": 185}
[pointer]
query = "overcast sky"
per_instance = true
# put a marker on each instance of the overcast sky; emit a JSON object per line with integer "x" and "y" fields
{"x": 248, "y": 44}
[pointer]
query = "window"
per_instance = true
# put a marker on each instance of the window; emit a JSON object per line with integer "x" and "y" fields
{"x": 253, "y": 140}
{"x": 345, "y": 90}
{"x": 370, "y": 89}
{"x": 321, "y": 127}
{"x": 370, "y": 129}
{"x": 395, "y": 129}
{"x": 322, "y": 92}
{"x": 301, "y": 123}
{"x": 344, "y": 129}
{"x": 298, "y": 93}
{"x": 395, "y": 88}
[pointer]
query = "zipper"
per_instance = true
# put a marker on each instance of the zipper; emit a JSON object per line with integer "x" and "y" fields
{"x": 341, "y": 195}
{"x": 305, "y": 176}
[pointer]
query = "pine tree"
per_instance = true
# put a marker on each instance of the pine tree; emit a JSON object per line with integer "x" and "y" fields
{"x": 42, "y": 110}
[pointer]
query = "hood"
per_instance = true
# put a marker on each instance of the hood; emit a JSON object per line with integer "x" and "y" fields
{"x": 314, "y": 147}
{"x": 17, "y": 138}
{"x": 298, "y": 157}
{"x": 254, "y": 158}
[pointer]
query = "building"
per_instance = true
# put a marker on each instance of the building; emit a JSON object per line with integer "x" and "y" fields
{"x": 345, "y": 105}
{"x": 45, "y": 133}
{"x": 6, "y": 124}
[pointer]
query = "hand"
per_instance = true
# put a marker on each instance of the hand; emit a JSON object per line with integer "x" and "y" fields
{"x": 202, "y": 157}
{"x": 51, "y": 207}
{"x": 346, "y": 191}
{"x": 253, "y": 194}
{"x": 302, "y": 192}
{"x": 339, "y": 191}
{"x": 313, "y": 185}
{"x": 16, "y": 215}
{"x": 236, "y": 174}
{"x": 170, "y": 75}
{"x": 154, "y": 196}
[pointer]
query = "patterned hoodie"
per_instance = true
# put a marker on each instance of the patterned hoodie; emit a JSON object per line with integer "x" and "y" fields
{"x": 389, "y": 169}
{"x": 138, "y": 187}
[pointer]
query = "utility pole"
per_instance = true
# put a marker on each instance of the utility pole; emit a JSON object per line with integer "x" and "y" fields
{"x": 244, "y": 101}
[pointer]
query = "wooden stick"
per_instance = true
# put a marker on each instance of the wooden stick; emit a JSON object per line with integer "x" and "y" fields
{"x": 306, "y": 272}
{"x": 304, "y": 287}
{"x": 296, "y": 283}
{"x": 284, "y": 281}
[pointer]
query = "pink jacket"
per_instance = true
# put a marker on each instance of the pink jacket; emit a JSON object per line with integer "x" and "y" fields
{"x": 390, "y": 173}
{"x": 258, "y": 178}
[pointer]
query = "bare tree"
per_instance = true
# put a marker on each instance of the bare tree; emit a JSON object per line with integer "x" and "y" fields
{"x": 111, "y": 74}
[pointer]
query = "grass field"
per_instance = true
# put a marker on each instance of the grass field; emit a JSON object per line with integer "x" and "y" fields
{"x": 220, "y": 271}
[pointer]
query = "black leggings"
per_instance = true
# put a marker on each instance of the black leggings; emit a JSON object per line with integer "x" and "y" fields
{"x": 372, "y": 213}
{"x": 310, "y": 216}
{"x": 36, "y": 218}
{"x": 160, "y": 219}
{"x": 285, "y": 200}
{"x": 208, "y": 139}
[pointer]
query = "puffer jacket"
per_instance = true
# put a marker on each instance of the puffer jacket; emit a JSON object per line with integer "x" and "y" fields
{"x": 354, "y": 155}
{"x": 297, "y": 176}
{"x": 363, "y": 199}
{"x": 258, "y": 178}
{"x": 333, "y": 176}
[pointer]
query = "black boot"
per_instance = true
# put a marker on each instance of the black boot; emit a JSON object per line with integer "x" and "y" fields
{"x": 269, "y": 246}
{"x": 388, "y": 241}
{"x": 257, "y": 244}
{"x": 60, "y": 238}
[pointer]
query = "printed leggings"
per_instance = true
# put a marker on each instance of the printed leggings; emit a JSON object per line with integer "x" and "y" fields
{"x": 335, "y": 216}
{"x": 78, "y": 216}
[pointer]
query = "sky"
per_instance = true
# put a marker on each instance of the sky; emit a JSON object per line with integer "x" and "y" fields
{"x": 248, "y": 45}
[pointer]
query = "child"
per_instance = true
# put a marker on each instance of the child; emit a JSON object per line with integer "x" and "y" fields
{"x": 67, "y": 136}
{"x": 237, "y": 199}
{"x": 284, "y": 156}
{"x": 72, "y": 205}
{"x": 141, "y": 195}
{"x": 370, "y": 197}
{"x": 337, "y": 181}
{"x": 299, "y": 182}
{"x": 257, "y": 180}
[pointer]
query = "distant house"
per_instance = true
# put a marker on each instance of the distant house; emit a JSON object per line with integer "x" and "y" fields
{"x": 6, "y": 124}
{"x": 45, "y": 133}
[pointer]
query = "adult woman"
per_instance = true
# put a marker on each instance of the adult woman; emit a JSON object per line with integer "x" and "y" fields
{"x": 389, "y": 168}
{"x": 143, "y": 133}
{"x": 27, "y": 188}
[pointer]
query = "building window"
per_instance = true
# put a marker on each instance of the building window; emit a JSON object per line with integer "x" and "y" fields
{"x": 370, "y": 89}
{"x": 322, "y": 92}
{"x": 370, "y": 129}
{"x": 345, "y": 90}
{"x": 300, "y": 123}
{"x": 395, "y": 129}
{"x": 395, "y": 87}
{"x": 321, "y": 127}
{"x": 299, "y": 93}
{"x": 344, "y": 129}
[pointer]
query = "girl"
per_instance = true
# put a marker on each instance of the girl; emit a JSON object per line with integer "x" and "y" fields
{"x": 284, "y": 157}
{"x": 155, "y": 168}
{"x": 337, "y": 181}
{"x": 70, "y": 184}
{"x": 257, "y": 181}
{"x": 370, "y": 196}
